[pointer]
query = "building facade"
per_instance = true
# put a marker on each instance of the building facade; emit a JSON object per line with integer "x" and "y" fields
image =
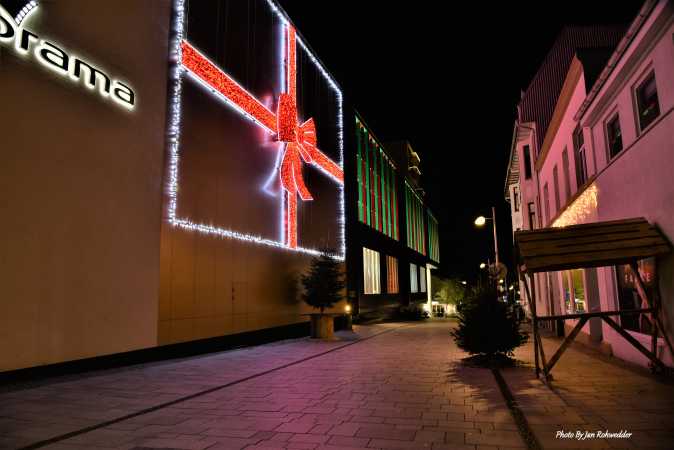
{"x": 605, "y": 154}
{"x": 165, "y": 186}
{"x": 392, "y": 236}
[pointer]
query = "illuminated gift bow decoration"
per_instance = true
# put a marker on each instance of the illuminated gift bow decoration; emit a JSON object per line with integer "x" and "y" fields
{"x": 300, "y": 139}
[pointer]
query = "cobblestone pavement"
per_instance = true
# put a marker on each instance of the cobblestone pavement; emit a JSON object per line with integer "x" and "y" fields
{"x": 398, "y": 390}
{"x": 398, "y": 387}
{"x": 592, "y": 392}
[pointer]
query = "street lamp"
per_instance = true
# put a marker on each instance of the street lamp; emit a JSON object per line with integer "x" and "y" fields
{"x": 482, "y": 220}
{"x": 483, "y": 265}
{"x": 464, "y": 283}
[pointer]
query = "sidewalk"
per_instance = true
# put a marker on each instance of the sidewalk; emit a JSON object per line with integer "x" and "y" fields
{"x": 592, "y": 392}
{"x": 400, "y": 386}
{"x": 401, "y": 389}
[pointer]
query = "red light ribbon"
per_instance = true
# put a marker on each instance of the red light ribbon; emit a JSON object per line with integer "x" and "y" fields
{"x": 300, "y": 139}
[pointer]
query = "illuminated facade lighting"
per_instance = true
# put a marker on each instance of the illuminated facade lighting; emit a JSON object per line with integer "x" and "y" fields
{"x": 25, "y": 11}
{"x": 300, "y": 138}
{"x": 581, "y": 210}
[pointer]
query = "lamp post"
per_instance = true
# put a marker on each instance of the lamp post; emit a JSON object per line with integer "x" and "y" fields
{"x": 481, "y": 221}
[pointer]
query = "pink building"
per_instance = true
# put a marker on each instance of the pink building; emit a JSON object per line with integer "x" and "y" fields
{"x": 603, "y": 151}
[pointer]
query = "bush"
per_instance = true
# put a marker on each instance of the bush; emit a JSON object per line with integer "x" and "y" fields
{"x": 487, "y": 326}
{"x": 323, "y": 284}
{"x": 411, "y": 312}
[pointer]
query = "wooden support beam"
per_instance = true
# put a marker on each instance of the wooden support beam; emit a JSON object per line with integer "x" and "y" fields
{"x": 596, "y": 314}
{"x": 634, "y": 342}
{"x": 532, "y": 308}
{"x": 567, "y": 341}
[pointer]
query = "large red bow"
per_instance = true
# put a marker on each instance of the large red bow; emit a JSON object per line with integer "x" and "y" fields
{"x": 300, "y": 139}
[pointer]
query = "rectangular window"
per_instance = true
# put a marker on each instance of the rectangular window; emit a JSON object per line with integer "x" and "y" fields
{"x": 527, "y": 162}
{"x": 546, "y": 200}
{"x": 422, "y": 278}
{"x": 578, "y": 290}
{"x": 566, "y": 287}
{"x": 579, "y": 153}
{"x": 414, "y": 277}
{"x": 628, "y": 296}
{"x": 648, "y": 106}
{"x": 371, "y": 274}
{"x": 614, "y": 136}
{"x": 516, "y": 199}
{"x": 567, "y": 178}
{"x": 555, "y": 181}
{"x": 532, "y": 215}
{"x": 392, "y": 275}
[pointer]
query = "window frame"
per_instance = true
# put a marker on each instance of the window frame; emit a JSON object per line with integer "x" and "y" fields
{"x": 613, "y": 118}
{"x": 369, "y": 271}
{"x": 580, "y": 157}
{"x": 555, "y": 181}
{"x": 566, "y": 173}
{"x": 414, "y": 278}
{"x": 392, "y": 275}
{"x": 648, "y": 74}
{"x": 526, "y": 153}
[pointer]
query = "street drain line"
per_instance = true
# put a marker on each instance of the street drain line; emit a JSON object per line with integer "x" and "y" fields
{"x": 142, "y": 412}
{"x": 523, "y": 427}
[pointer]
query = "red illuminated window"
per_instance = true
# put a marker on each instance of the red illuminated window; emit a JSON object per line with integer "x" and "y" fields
{"x": 392, "y": 275}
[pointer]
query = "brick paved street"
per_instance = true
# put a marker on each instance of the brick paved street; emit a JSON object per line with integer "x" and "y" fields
{"x": 590, "y": 393}
{"x": 399, "y": 387}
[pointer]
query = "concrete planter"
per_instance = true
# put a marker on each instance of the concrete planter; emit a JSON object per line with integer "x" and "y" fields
{"x": 322, "y": 326}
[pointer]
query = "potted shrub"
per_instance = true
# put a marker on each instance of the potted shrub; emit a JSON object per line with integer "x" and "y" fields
{"x": 323, "y": 287}
{"x": 487, "y": 327}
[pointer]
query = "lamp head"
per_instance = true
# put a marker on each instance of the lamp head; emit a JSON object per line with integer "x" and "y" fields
{"x": 480, "y": 221}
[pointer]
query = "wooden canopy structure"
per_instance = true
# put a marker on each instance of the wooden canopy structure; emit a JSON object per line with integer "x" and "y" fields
{"x": 585, "y": 246}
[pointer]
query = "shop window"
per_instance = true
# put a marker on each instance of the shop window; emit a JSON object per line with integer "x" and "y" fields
{"x": 422, "y": 279}
{"x": 614, "y": 136}
{"x": 392, "y": 275}
{"x": 371, "y": 274}
{"x": 566, "y": 287}
{"x": 629, "y": 299}
{"x": 574, "y": 291}
{"x": 648, "y": 106}
{"x": 414, "y": 277}
{"x": 578, "y": 290}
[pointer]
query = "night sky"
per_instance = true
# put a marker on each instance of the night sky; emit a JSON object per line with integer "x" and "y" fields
{"x": 448, "y": 80}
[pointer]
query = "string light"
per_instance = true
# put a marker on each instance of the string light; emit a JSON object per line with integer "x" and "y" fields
{"x": 23, "y": 13}
{"x": 300, "y": 138}
{"x": 582, "y": 208}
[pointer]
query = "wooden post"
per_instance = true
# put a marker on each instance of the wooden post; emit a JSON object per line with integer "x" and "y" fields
{"x": 534, "y": 320}
{"x": 641, "y": 290}
{"x": 567, "y": 341}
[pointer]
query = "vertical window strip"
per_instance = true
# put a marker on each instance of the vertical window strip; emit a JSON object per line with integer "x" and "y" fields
{"x": 363, "y": 172}
{"x": 371, "y": 272}
{"x": 390, "y": 201}
{"x": 382, "y": 188}
{"x": 359, "y": 163}
{"x": 366, "y": 141}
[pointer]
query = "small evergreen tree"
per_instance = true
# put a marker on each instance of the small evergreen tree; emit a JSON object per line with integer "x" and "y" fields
{"x": 323, "y": 283}
{"x": 487, "y": 326}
